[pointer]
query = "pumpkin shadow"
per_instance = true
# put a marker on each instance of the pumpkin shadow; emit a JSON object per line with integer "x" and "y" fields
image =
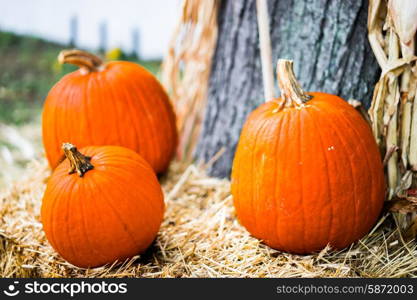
{"x": 148, "y": 257}
{"x": 162, "y": 177}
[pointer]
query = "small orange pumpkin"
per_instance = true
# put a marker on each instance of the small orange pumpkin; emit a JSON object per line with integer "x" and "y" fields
{"x": 117, "y": 103}
{"x": 307, "y": 171}
{"x": 101, "y": 206}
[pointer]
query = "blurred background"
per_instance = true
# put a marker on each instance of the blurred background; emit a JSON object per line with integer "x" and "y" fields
{"x": 31, "y": 35}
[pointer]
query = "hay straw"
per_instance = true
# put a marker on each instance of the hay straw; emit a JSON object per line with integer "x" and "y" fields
{"x": 186, "y": 69}
{"x": 199, "y": 237}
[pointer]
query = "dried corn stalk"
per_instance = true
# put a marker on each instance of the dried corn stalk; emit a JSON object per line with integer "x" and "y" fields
{"x": 392, "y": 28}
{"x": 186, "y": 69}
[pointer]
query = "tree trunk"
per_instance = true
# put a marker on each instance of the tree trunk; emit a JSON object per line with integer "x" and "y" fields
{"x": 327, "y": 39}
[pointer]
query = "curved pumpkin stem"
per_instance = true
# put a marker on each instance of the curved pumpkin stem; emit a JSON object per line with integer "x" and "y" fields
{"x": 86, "y": 61}
{"x": 291, "y": 92}
{"x": 78, "y": 163}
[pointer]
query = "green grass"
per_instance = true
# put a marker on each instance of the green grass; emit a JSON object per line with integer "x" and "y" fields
{"x": 28, "y": 69}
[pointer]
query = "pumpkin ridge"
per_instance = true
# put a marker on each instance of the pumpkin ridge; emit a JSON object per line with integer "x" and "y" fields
{"x": 236, "y": 184}
{"x": 119, "y": 106}
{"x": 87, "y": 194}
{"x": 277, "y": 140}
{"x": 94, "y": 92}
{"x": 278, "y": 187}
{"x": 132, "y": 238}
{"x": 55, "y": 203}
{"x": 45, "y": 123}
{"x": 363, "y": 149}
{"x": 239, "y": 188}
{"x": 330, "y": 199}
{"x": 284, "y": 126}
{"x": 68, "y": 217}
{"x": 254, "y": 175}
{"x": 59, "y": 129}
{"x": 235, "y": 180}
{"x": 113, "y": 162}
{"x": 306, "y": 140}
{"x": 85, "y": 104}
{"x": 120, "y": 168}
{"x": 149, "y": 131}
{"x": 143, "y": 191}
{"x": 264, "y": 132}
{"x": 373, "y": 190}
{"x": 170, "y": 121}
{"x": 64, "y": 130}
{"x": 353, "y": 179}
{"x": 50, "y": 213}
{"x": 76, "y": 126}
{"x": 300, "y": 158}
{"x": 113, "y": 209}
{"x": 288, "y": 163}
{"x": 136, "y": 122}
{"x": 105, "y": 85}
{"x": 75, "y": 202}
{"x": 157, "y": 149}
{"x": 168, "y": 117}
{"x": 46, "y": 129}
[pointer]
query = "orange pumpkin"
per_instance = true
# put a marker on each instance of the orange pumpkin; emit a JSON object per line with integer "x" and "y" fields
{"x": 307, "y": 171}
{"x": 101, "y": 206}
{"x": 117, "y": 103}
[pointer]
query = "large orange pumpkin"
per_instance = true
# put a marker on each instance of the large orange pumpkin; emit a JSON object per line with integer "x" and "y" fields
{"x": 116, "y": 103}
{"x": 307, "y": 171}
{"x": 102, "y": 205}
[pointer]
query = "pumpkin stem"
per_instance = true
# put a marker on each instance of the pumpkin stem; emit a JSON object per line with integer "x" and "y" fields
{"x": 291, "y": 92}
{"x": 86, "y": 61}
{"x": 78, "y": 163}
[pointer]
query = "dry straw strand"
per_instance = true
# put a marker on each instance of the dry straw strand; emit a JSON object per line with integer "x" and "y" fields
{"x": 392, "y": 29}
{"x": 186, "y": 69}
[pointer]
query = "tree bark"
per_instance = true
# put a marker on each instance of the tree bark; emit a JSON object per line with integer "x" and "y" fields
{"x": 327, "y": 39}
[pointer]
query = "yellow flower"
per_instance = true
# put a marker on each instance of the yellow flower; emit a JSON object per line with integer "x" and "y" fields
{"x": 114, "y": 54}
